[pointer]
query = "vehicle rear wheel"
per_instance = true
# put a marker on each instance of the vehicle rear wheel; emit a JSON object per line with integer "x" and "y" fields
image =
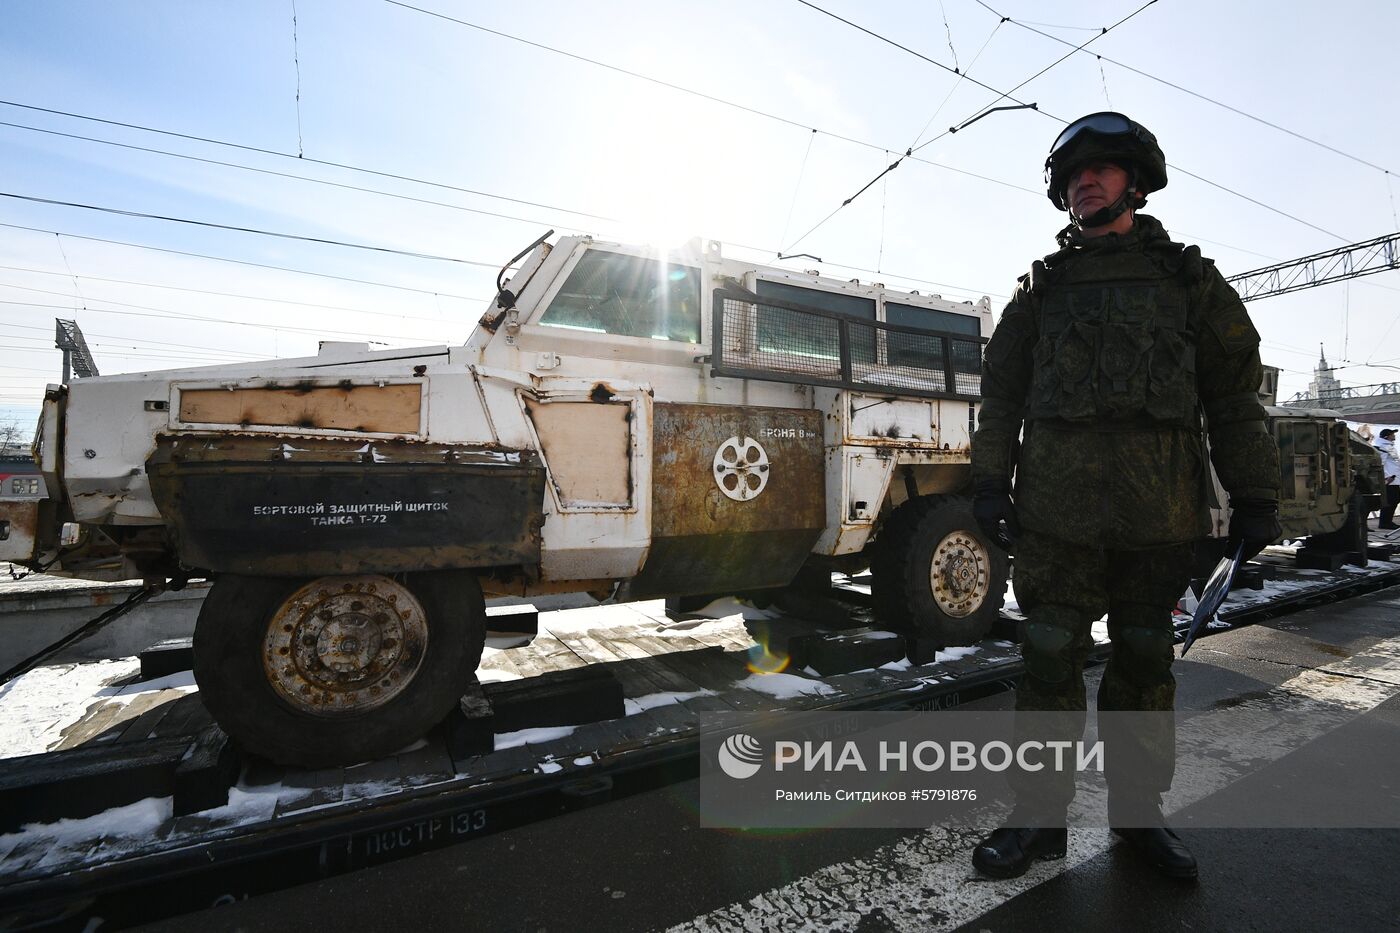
{"x": 336, "y": 670}
{"x": 936, "y": 573}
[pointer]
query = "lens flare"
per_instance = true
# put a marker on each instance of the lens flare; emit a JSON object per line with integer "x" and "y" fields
{"x": 762, "y": 660}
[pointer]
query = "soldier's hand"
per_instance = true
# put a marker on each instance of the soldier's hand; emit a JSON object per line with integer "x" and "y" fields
{"x": 1253, "y": 522}
{"x": 995, "y": 513}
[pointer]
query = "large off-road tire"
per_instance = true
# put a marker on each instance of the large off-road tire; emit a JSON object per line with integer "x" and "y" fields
{"x": 336, "y": 670}
{"x": 936, "y": 574}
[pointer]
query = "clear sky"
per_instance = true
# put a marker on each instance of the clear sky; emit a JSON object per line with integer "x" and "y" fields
{"x": 480, "y": 117}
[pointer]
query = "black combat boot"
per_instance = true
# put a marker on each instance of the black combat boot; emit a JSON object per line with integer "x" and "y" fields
{"x": 1008, "y": 852}
{"x": 1137, "y": 819}
{"x": 1163, "y": 849}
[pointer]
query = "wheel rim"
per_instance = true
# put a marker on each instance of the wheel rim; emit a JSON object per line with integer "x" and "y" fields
{"x": 960, "y": 574}
{"x": 343, "y": 645}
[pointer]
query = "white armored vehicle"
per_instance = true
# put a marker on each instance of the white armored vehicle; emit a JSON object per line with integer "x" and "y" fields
{"x": 620, "y": 421}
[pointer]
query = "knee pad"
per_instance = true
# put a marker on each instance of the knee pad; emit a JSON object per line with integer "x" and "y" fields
{"x": 1144, "y": 654}
{"x": 1046, "y": 652}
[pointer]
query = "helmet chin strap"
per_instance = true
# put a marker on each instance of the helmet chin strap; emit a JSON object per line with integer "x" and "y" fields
{"x": 1110, "y": 212}
{"x": 1107, "y": 214}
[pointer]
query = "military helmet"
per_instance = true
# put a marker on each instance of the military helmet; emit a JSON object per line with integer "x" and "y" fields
{"x": 1110, "y": 137}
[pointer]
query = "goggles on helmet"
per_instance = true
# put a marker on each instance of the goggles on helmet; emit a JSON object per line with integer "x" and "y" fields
{"x": 1106, "y": 123}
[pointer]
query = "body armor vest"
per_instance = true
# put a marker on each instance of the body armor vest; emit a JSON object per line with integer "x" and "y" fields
{"x": 1117, "y": 338}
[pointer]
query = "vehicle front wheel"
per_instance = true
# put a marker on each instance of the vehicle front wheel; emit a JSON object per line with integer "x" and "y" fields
{"x": 936, "y": 573}
{"x": 336, "y": 670}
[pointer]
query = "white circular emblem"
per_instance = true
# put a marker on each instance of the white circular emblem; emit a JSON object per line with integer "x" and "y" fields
{"x": 740, "y": 756}
{"x": 741, "y": 468}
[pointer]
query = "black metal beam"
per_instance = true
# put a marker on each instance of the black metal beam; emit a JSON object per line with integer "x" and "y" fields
{"x": 1334, "y": 265}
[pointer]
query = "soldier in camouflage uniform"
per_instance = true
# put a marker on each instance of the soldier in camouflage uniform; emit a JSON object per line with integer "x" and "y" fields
{"x": 1111, "y": 354}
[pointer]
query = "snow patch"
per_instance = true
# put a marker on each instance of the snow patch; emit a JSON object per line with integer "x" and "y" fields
{"x": 785, "y": 686}
{"x": 41, "y": 703}
{"x": 177, "y": 681}
{"x": 362, "y": 790}
{"x": 651, "y": 700}
{"x": 532, "y": 736}
{"x": 121, "y": 829}
{"x": 728, "y": 606}
{"x": 247, "y": 804}
{"x": 494, "y": 675}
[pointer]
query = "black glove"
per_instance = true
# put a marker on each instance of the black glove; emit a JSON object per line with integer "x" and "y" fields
{"x": 991, "y": 506}
{"x": 1255, "y": 523}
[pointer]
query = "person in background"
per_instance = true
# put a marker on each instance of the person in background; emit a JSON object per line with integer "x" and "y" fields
{"x": 1386, "y": 445}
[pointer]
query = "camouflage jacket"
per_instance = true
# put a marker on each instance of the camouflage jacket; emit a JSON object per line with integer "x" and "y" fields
{"x": 1109, "y": 354}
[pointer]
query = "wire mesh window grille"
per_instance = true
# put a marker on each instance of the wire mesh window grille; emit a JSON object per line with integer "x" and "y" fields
{"x": 766, "y": 338}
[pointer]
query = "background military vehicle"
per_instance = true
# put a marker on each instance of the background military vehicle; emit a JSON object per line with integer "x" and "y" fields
{"x": 1330, "y": 479}
{"x": 621, "y": 421}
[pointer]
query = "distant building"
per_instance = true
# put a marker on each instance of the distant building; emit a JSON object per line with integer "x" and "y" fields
{"x": 1324, "y": 385}
{"x": 1379, "y": 403}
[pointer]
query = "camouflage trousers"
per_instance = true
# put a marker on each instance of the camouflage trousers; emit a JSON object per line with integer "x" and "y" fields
{"x": 1063, "y": 589}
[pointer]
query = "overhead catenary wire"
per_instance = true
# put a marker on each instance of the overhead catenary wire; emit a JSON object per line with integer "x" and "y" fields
{"x": 1185, "y": 90}
{"x": 35, "y": 199}
{"x": 571, "y": 55}
{"x": 167, "y": 314}
{"x": 162, "y": 357}
{"x": 164, "y": 351}
{"x": 444, "y": 204}
{"x": 268, "y": 298}
{"x": 691, "y": 91}
{"x": 156, "y": 343}
{"x": 797, "y": 188}
{"x": 1008, "y": 96}
{"x": 995, "y": 181}
{"x": 397, "y": 176}
{"x": 981, "y": 112}
{"x": 296, "y": 64}
{"x": 240, "y": 262}
{"x": 425, "y": 291}
{"x": 291, "y": 176}
{"x": 948, "y": 31}
{"x": 956, "y": 84}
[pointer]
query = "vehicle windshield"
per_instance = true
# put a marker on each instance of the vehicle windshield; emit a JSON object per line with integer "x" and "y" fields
{"x": 613, "y": 293}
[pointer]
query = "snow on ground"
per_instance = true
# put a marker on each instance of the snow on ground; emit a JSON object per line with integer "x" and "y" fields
{"x": 122, "y": 829}
{"x": 729, "y": 606}
{"x": 784, "y": 686}
{"x": 1009, "y": 600}
{"x": 879, "y": 635}
{"x": 586, "y": 618}
{"x": 183, "y": 680}
{"x": 41, "y": 703}
{"x": 652, "y": 700}
{"x": 532, "y": 736}
{"x": 700, "y": 626}
{"x": 360, "y": 790}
